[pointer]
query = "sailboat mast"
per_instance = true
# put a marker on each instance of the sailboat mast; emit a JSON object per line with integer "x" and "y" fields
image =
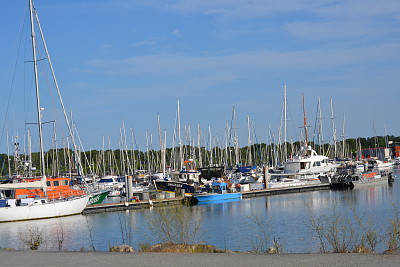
{"x": 180, "y": 138}
{"x": 39, "y": 108}
{"x": 305, "y": 123}
{"x": 320, "y": 132}
{"x": 284, "y": 123}
{"x": 333, "y": 130}
{"x": 343, "y": 137}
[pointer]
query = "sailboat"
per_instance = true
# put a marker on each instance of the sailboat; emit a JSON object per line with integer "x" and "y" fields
{"x": 306, "y": 166}
{"x": 15, "y": 207}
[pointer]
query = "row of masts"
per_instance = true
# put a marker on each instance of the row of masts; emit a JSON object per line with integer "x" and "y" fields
{"x": 208, "y": 150}
{"x": 205, "y": 150}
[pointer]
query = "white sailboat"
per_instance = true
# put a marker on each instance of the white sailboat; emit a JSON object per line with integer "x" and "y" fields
{"x": 306, "y": 166}
{"x": 12, "y": 209}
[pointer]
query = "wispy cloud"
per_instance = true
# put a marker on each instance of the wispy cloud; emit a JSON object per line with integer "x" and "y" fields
{"x": 148, "y": 42}
{"x": 312, "y": 59}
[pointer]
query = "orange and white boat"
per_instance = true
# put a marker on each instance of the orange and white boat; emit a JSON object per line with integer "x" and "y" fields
{"x": 38, "y": 198}
{"x": 57, "y": 188}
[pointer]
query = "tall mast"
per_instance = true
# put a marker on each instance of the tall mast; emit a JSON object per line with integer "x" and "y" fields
{"x": 211, "y": 153}
{"x": 284, "y": 123}
{"x": 180, "y": 138}
{"x": 249, "y": 158}
{"x": 305, "y": 124}
{"x": 333, "y": 130}
{"x": 8, "y": 156}
{"x": 160, "y": 138}
{"x": 343, "y": 137}
{"x": 199, "y": 145}
{"x": 38, "y": 106}
{"x": 164, "y": 148}
{"x": 29, "y": 138}
{"x": 320, "y": 132}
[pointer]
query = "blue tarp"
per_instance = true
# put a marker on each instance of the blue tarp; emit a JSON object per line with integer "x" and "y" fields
{"x": 244, "y": 169}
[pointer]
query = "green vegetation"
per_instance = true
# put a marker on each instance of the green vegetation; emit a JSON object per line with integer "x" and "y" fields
{"x": 32, "y": 238}
{"x": 174, "y": 224}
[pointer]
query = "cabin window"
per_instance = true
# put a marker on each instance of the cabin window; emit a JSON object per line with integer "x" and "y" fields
{"x": 106, "y": 180}
{"x": 302, "y": 165}
{"x": 318, "y": 163}
{"x": 64, "y": 182}
{"x": 48, "y": 183}
{"x": 56, "y": 183}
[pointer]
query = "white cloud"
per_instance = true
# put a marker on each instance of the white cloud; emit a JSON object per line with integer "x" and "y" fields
{"x": 148, "y": 42}
{"x": 177, "y": 33}
{"x": 256, "y": 61}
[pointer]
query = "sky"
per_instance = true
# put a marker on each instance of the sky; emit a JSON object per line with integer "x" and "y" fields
{"x": 122, "y": 62}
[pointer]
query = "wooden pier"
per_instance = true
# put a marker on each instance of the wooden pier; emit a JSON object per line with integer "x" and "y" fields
{"x": 121, "y": 206}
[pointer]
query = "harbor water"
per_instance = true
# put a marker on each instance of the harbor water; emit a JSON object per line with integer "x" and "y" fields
{"x": 226, "y": 225}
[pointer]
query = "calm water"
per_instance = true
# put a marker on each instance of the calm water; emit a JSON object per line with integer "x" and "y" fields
{"x": 225, "y": 225}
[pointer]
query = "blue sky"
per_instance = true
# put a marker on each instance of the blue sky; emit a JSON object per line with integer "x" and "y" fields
{"x": 128, "y": 61}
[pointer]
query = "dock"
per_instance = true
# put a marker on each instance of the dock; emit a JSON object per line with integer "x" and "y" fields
{"x": 145, "y": 204}
{"x": 285, "y": 190}
{"x": 121, "y": 206}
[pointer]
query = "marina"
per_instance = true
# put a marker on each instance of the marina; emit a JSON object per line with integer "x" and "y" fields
{"x": 226, "y": 186}
{"x": 224, "y": 224}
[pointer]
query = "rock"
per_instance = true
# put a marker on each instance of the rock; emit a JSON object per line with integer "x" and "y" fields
{"x": 183, "y": 248}
{"x": 122, "y": 248}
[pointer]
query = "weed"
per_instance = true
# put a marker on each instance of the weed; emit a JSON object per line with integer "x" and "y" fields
{"x": 33, "y": 238}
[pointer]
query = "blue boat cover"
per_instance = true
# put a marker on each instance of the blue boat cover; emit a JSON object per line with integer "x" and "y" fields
{"x": 244, "y": 169}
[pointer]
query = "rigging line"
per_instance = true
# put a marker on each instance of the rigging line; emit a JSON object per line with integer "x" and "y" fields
{"x": 13, "y": 77}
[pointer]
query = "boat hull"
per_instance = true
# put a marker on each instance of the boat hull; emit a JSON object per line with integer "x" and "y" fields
{"x": 217, "y": 197}
{"x": 173, "y": 186}
{"x": 376, "y": 180}
{"x": 46, "y": 210}
{"x": 97, "y": 198}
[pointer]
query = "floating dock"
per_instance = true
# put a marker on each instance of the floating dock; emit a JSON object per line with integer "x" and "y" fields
{"x": 121, "y": 206}
{"x": 285, "y": 190}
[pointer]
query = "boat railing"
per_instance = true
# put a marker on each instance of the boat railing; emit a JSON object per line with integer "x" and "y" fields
{"x": 64, "y": 194}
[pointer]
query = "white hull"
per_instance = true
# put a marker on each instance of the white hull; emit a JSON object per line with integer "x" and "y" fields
{"x": 371, "y": 181}
{"x": 385, "y": 165}
{"x": 45, "y": 210}
{"x": 287, "y": 183}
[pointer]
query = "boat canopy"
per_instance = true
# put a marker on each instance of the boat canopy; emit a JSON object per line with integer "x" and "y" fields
{"x": 28, "y": 185}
